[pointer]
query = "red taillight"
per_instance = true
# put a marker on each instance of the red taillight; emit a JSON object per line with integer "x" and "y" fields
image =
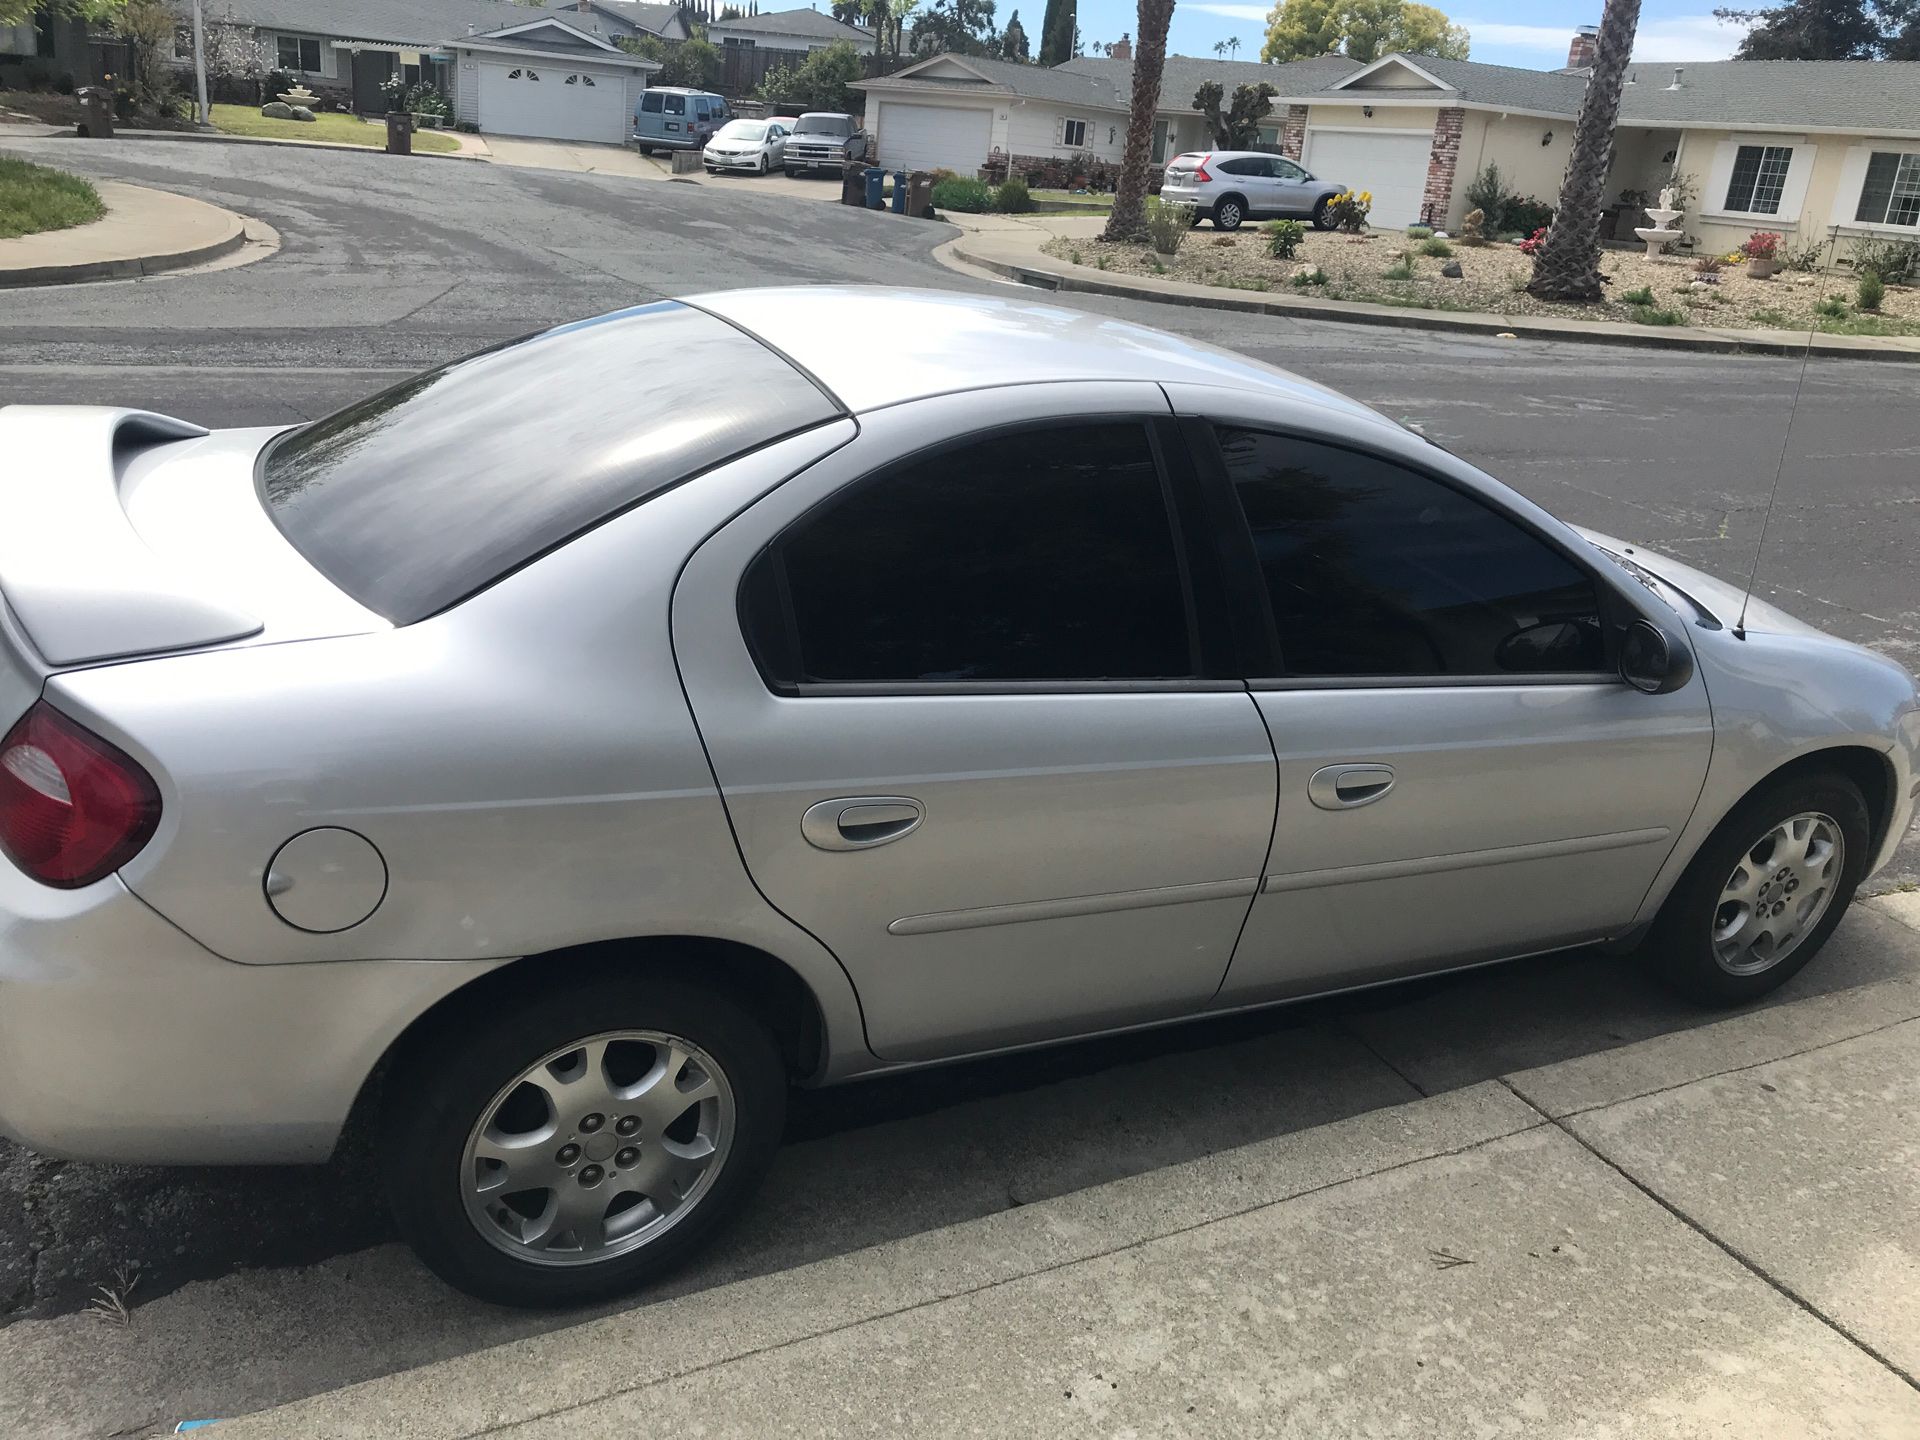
{"x": 73, "y": 809}
{"x": 1200, "y": 167}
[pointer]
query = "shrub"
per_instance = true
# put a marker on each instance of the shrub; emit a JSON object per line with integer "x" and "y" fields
{"x": 1401, "y": 269}
{"x": 1473, "y": 228}
{"x": 942, "y": 173}
{"x": 1437, "y": 248}
{"x": 1834, "y": 307}
{"x": 1527, "y": 215}
{"x": 63, "y": 83}
{"x": 1806, "y": 258}
{"x": 1709, "y": 265}
{"x": 1348, "y": 210}
{"x": 1534, "y": 241}
{"x": 1652, "y": 315}
{"x": 1761, "y": 245}
{"x": 1315, "y": 276}
{"x": 1419, "y": 232}
{"x": 1074, "y": 256}
{"x": 1284, "y": 237}
{"x": 1871, "y": 290}
{"x": 968, "y": 197}
{"x": 1167, "y": 226}
{"x": 1642, "y": 296}
{"x": 1488, "y": 195}
{"x": 1012, "y": 198}
{"x": 1895, "y": 260}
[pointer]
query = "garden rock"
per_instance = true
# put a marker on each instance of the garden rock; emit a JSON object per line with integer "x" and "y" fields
{"x": 1453, "y": 271}
{"x": 299, "y": 112}
{"x": 277, "y": 110}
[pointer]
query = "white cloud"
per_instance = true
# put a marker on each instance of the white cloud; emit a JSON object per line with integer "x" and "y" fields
{"x": 1232, "y": 12}
{"x": 1680, "y": 37}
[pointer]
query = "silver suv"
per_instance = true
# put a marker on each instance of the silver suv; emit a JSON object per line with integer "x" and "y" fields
{"x": 1230, "y": 186}
{"x": 569, "y": 779}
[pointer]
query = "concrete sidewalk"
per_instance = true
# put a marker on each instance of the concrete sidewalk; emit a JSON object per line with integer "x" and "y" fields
{"x": 1716, "y": 1232}
{"x": 144, "y": 232}
{"x": 1009, "y": 247}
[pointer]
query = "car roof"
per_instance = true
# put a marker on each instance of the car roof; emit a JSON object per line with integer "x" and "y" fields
{"x": 875, "y": 346}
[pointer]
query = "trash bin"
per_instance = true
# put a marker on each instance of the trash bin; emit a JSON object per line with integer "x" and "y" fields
{"x": 899, "y": 192}
{"x": 399, "y": 132}
{"x": 920, "y": 194}
{"x": 853, "y": 184}
{"x": 876, "y": 188}
{"x": 96, "y": 112}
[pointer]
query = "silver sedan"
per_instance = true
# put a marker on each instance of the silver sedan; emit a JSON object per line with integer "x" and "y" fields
{"x": 569, "y": 780}
{"x": 756, "y": 145}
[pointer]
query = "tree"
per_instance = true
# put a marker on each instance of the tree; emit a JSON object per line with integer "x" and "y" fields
{"x": 1567, "y": 266}
{"x": 1362, "y": 30}
{"x": 1239, "y": 126}
{"x": 97, "y": 12}
{"x": 1056, "y": 32}
{"x": 1128, "y": 220}
{"x": 1829, "y": 30}
{"x": 963, "y": 27}
{"x": 695, "y": 64}
{"x": 235, "y": 52}
{"x": 148, "y": 27}
{"x": 1013, "y": 44}
{"x": 820, "y": 83}
{"x": 1233, "y": 44}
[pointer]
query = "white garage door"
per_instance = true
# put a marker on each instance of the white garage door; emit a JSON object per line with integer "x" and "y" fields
{"x": 933, "y": 137}
{"x": 1393, "y": 167}
{"x": 553, "y": 99}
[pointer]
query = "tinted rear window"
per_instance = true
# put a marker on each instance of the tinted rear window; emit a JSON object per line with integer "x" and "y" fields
{"x": 415, "y": 498}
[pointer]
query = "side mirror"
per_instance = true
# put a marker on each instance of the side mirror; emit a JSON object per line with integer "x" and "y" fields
{"x": 1652, "y": 661}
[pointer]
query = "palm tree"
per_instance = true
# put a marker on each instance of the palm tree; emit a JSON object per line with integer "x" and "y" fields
{"x": 1220, "y": 47}
{"x": 1233, "y": 44}
{"x": 1129, "y": 218}
{"x": 1567, "y": 266}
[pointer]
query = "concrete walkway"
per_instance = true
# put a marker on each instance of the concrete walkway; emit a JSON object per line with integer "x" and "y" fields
{"x": 144, "y": 232}
{"x": 1716, "y": 1232}
{"x": 1010, "y": 247}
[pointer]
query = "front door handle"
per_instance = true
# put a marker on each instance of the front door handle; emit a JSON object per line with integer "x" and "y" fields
{"x": 1344, "y": 787}
{"x": 859, "y": 822}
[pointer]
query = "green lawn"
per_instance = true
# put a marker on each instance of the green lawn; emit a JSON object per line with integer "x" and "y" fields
{"x": 34, "y": 198}
{"x": 334, "y": 129}
{"x": 1092, "y": 202}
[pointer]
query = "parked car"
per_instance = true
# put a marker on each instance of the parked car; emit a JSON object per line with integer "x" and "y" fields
{"x": 823, "y": 140}
{"x": 1230, "y": 186}
{"x": 672, "y": 118}
{"x": 593, "y": 773}
{"x": 756, "y": 145}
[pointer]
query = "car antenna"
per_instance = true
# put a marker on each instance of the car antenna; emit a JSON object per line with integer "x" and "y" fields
{"x": 1766, "y": 521}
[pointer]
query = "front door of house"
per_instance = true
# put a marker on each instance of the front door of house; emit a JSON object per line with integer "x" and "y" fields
{"x": 371, "y": 70}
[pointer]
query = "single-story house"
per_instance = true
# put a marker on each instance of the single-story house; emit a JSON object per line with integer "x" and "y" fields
{"x": 45, "y": 47}
{"x": 346, "y": 49}
{"x": 796, "y": 30}
{"x": 547, "y": 79}
{"x": 1816, "y": 150}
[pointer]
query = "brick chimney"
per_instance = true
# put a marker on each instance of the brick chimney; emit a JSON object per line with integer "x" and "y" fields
{"x": 1584, "y": 47}
{"x": 1122, "y": 49}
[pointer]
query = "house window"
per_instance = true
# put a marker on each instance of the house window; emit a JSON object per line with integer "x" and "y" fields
{"x": 1759, "y": 175}
{"x": 296, "y": 53}
{"x": 1073, "y": 134}
{"x": 182, "y": 42}
{"x": 736, "y": 41}
{"x": 1891, "y": 195}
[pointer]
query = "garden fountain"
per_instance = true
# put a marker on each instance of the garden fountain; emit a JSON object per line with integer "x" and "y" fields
{"x": 1661, "y": 231}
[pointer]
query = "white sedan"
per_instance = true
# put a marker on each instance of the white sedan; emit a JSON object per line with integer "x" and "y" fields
{"x": 756, "y": 145}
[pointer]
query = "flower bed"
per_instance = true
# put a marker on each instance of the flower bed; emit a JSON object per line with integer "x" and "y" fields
{"x": 1385, "y": 267}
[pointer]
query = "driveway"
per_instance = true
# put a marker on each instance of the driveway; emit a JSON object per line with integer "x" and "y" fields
{"x": 387, "y": 267}
{"x": 624, "y": 160}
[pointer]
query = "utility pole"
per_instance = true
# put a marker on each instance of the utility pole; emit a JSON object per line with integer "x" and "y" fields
{"x": 202, "y": 112}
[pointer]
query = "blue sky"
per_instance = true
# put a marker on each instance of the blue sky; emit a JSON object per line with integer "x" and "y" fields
{"x": 1531, "y": 33}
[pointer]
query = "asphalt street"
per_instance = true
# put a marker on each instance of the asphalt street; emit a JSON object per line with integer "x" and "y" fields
{"x": 389, "y": 266}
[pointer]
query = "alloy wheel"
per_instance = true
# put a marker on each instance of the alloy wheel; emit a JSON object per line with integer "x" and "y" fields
{"x": 1227, "y": 216}
{"x": 596, "y": 1149}
{"x": 1778, "y": 892}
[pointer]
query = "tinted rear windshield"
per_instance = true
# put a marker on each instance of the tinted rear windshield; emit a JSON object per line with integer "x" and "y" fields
{"x": 415, "y": 498}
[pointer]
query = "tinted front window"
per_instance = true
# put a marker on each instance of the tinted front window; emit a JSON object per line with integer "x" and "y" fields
{"x": 1031, "y": 555}
{"x": 835, "y": 126}
{"x": 1376, "y": 570}
{"x": 415, "y": 498}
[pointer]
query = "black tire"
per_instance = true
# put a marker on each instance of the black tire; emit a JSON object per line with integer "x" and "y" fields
{"x": 438, "y": 1091}
{"x": 1321, "y": 221}
{"x": 1228, "y": 212}
{"x": 1680, "y": 948}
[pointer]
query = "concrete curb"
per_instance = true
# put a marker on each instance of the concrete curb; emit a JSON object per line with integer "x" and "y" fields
{"x": 232, "y": 234}
{"x": 1047, "y": 276}
{"x": 216, "y": 137}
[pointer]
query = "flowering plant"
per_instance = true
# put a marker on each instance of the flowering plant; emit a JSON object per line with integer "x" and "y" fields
{"x": 1348, "y": 210}
{"x": 1534, "y": 241}
{"x": 1761, "y": 245}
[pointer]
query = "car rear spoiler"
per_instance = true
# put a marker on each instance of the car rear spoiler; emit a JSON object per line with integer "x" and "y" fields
{"x": 79, "y": 579}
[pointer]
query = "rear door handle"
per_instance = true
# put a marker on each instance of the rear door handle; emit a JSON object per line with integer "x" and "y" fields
{"x": 859, "y": 822}
{"x": 1344, "y": 787}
